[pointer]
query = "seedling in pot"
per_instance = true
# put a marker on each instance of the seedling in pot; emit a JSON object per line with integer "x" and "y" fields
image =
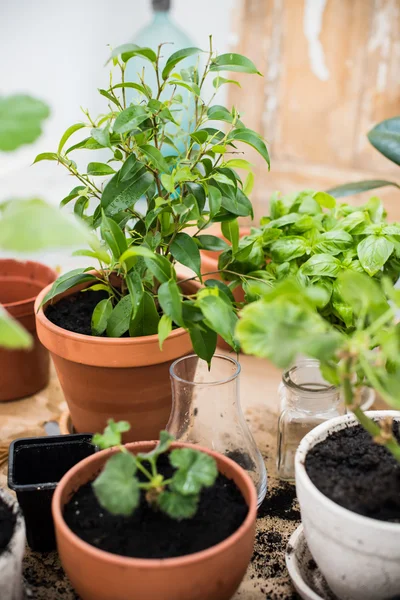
{"x": 118, "y": 488}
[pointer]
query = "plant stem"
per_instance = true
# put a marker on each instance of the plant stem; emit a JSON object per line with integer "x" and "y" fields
{"x": 366, "y": 422}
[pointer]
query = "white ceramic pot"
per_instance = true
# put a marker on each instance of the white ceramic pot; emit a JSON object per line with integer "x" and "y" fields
{"x": 11, "y": 587}
{"x": 359, "y": 556}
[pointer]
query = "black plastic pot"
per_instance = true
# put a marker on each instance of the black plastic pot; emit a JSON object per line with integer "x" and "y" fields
{"x": 35, "y": 466}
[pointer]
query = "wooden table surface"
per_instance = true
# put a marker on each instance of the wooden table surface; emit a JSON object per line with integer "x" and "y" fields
{"x": 266, "y": 578}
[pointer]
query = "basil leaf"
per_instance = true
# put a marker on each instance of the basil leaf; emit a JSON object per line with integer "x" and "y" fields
{"x": 373, "y": 253}
{"x": 321, "y": 265}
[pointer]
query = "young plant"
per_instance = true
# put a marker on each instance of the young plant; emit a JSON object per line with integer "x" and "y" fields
{"x": 314, "y": 239}
{"x": 160, "y": 181}
{"x": 385, "y": 137}
{"x": 285, "y": 322}
{"x": 118, "y": 488}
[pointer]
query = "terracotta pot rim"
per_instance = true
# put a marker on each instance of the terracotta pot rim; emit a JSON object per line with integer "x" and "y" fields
{"x": 153, "y": 563}
{"x": 315, "y": 436}
{"x": 89, "y": 339}
{"x": 31, "y": 299}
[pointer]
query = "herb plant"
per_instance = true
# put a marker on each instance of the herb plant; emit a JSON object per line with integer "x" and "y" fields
{"x": 118, "y": 488}
{"x": 161, "y": 181}
{"x": 314, "y": 239}
{"x": 285, "y": 322}
{"x": 385, "y": 137}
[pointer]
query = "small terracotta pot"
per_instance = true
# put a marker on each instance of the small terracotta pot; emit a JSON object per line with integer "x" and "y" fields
{"x": 23, "y": 372}
{"x": 119, "y": 378}
{"x": 212, "y": 574}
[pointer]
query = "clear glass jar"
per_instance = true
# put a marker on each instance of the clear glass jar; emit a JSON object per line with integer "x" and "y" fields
{"x": 206, "y": 411}
{"x": 306, "y": 400}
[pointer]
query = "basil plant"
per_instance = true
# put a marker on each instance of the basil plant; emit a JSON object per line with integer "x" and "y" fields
{"x": 311, "y": 237}
{"x": 152, "y": 200}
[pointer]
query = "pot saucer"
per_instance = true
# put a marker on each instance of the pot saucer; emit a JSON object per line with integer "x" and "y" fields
{"x": 306, "y": 577}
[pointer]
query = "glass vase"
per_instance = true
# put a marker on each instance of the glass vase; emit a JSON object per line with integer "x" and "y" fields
{"x": 206, "y": 411}
{"x": 306, "y": 400}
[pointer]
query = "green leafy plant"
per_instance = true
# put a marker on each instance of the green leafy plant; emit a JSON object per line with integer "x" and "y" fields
{"x": 285, "y": 322}
{"x": 28, "y": 225}
{"x": 311, "y": 237}
{"x": 118, "y": 487}
{"x": 385, "y": 137}
{"x": 161, "y": 181}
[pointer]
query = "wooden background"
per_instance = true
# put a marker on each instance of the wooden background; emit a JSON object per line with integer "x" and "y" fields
{"x": 331, "y": 71}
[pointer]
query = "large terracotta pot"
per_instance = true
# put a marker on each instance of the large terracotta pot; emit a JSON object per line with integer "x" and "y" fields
{"x": 23, "y": 372}
{"x": 212, "y": 574}
{"x": 119, "y": 378}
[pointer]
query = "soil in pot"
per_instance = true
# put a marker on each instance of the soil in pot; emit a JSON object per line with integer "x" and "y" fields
{"x": 356, "y": 473}
{"x": 7, "y": 524}
{"x": 150, "y": 534}
{"x": 74, "y": 312}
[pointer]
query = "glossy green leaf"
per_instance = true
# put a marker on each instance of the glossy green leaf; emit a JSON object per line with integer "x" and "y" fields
{"x": 185, "y": 250}
{"x": 101, "y": 136}
{"x": 113, "y": 235}
{"x": 212, "y": 242}
{"x": 324, "y": 199}
{"x": 230, "y": 230}
{"x": 385, "y": 137}
{"x": 176, "y": 58}
{"x": 164, "y": 329}
{"x": 219, "y": 81}
{"x": 155, "y": 157}
{"x": 136, "y": 290}
{"x": 288, "y": 248}
{"x": 146, "y": 319}
{"x": 120, "y": 318}
{"x": 100, "y": 316}
{"x": 234, "y": 62}
{"x": 68, "y": 134}
{"x": 160, "y": 267}
{"x": 130, "y": 119}
{"x": 119, "y": 195}
{"x": 45, "y": 156}
{"x": 321, "y": 265}
{"x": 128, "y": 51}
{"x": 66, "y": 282}
{"x": 200, "y": 136}
{"x": 251, "y": 138}
{"x": 170, "y": 300}
{"x": 204, "y": 341}
{"x": 116, "y": 488}
{"x": 373, "y": 252}
{"x": 219, "y": 317}
{"x": 99, "y": 169}
{"x": 248, "y": 184}
{"x": 214, "y": 200}
{"x": 333, "y": 242}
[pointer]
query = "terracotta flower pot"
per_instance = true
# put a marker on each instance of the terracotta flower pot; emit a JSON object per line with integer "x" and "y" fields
{"x": 120, "y": 378}
{"x": 11, "y": 587}
{"x": 23, "y": 372}
{"x": 212, "y": 574}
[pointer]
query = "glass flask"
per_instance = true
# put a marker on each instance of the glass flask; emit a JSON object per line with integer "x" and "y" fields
{"x": 306, "y": 400}
{"x": 206, "y": 410}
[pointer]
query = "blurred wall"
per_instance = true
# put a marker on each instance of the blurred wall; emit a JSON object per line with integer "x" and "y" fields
{"x": 57, "y": 51}
{"x": 331, "y": 71}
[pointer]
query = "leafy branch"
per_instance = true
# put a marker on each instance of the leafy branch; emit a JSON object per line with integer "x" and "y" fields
{"x": 119, "y": 486}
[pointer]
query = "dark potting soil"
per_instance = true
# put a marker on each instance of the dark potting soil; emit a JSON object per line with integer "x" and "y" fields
{"x": 7, "y": 524}
{"x": 358, "y": 474}
{"x": 152, "y": 534}
{"x": 74, "y": 313}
